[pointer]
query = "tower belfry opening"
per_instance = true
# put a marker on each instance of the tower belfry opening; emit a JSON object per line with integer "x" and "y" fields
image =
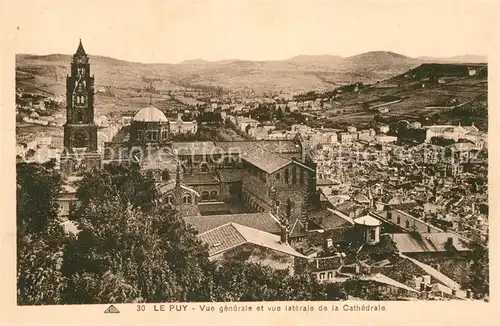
{"x": 80, "y": 131}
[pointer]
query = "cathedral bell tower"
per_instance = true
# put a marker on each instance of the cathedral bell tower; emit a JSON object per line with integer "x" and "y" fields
{"x": 80, "y": 131}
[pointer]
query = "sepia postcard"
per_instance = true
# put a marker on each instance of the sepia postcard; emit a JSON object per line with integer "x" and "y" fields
{"x": 249, "y": 162}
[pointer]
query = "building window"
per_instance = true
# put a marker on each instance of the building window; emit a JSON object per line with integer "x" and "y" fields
{"x": 170, "y": 199}
{"x": 407, "y": 224}
{"x": 294, "y": 175}
{"x": 154, "y": 135}
{"x": 187, "y": 199}
{"x": 163, "y": 134}
{"x": 278, "y": 176}
{"x": 330, "y": 275}
{"x": 79, "y": 116}
{"x": 286, "y": 176}
{"x": 149, "y": 174}
{"x": 165, "y": 175}
{"x": 398, "y": 220}
{"x": 214, "y": 195}
{"x": 140, "y": 134}
{"x": 79, "y": 139}
{"x": 157, "y": 175}
{"x": 372, "y": 234}
{"x": 321, "y": 276}
{"x": 205, "y": 196}
{"x": 204, "y": 167}
{"x": 148, "y": 135}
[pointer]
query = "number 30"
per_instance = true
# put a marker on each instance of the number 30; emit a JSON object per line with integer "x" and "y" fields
{"x": 141, "y": 307}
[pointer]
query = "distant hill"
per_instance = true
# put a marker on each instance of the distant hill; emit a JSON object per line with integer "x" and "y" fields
{"x": 195, "y": 62}
{"x": 380, "y": 57}
{"x": 467, "y": 58}
{"x": 294, "y": 75}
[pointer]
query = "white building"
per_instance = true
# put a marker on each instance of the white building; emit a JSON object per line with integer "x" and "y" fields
{"x": 450, "y": 132}
{"x": 180, "y": 126}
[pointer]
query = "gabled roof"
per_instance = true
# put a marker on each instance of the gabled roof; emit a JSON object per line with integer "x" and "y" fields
{"x": 265, "y": 160}
{"x": 260, "y": 221}
{"x": 231, "y": 235}
{"x": 367, "y": 220}
{"x": 428, "y": 242}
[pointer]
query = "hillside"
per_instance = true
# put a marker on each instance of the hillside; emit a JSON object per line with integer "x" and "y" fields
{"x": 444, "y": 93}
{"x": 297, "y": 74}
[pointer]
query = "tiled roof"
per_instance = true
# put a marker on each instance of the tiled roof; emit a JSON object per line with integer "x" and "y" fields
{"x": 265, "y": 160}
{"x": 260, "y": 221}
{"x": 427, "y": 242}
{"x": 360, "y": 198}
{"x": 332, "y": 220}
{"x": 326, "y": 182}
{"x": 232, "y": 235}
{"x": 197, "y": 148}
{"x": 367, "y": 220}
{"x": 276, "y": 146}
{"x": 200, "y": 178}
{"x": 381, "y": 278}
{"x": 213, "y": 207}
{"x": 222, "y": 238}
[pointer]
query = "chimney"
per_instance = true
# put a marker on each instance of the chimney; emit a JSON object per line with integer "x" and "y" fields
{"x": 329, "y": 243}
{"x": 284, "y": 235}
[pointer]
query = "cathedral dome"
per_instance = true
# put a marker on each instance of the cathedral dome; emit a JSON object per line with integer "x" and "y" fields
{"x": 150, "y": 114}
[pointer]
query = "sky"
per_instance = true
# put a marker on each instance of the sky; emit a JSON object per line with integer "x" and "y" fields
{"x": 173, "y": 31}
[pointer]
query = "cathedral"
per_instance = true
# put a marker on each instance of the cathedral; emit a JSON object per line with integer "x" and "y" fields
{"x": 201, "y": 178}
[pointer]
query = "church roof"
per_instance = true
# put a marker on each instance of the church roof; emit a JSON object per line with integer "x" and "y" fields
{"x": 265, "y": 160}
{"x": 150, "y": 114}
{"x": 80, "y": 53}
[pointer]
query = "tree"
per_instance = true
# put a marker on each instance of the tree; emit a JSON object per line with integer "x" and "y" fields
{"x": 244, "y": 281}
{"x": 40, "y": 237}
{"x": 279, "y": 113}
{"x": 127, "y": 183}
{"x": 125, "y": 253}
{"x": 479, "y": 280}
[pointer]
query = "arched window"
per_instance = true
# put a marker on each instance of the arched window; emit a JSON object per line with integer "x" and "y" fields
{"x": 294, "y": 175}
{"x": 79, "y": 116}
{"x": 149, "y": 174}
{"x": 157, "y": 176}
{"x": 79, "y": 139}
{"x": 165, "y": 175}
{"x": 170, "y": 199}
{"x": 204, "y": 167}
{"x": 214, "y": 195}
{"x": 187, "y": 199}
{"x": 205, "y": 195}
